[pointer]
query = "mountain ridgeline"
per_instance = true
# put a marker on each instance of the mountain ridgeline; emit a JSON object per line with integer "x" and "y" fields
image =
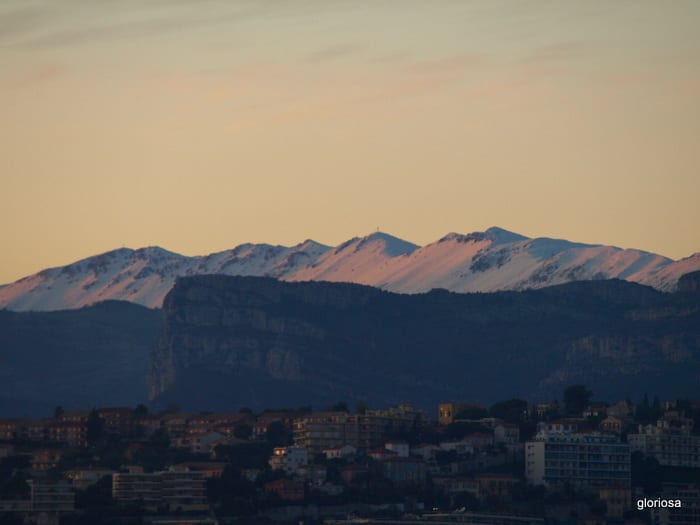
{"x": 488, "y": 261}
{"x": 228, "y": 342}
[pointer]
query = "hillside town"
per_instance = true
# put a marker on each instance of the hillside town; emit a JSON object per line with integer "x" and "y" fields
{"x": 572, "y": 461}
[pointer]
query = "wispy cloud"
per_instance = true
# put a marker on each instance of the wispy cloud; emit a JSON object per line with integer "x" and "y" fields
{"x": 449, "y": 64}
{"x": 557, "y": 51}
{"x": 19, "y": 21}
{"x": 333, "y": 52}
{"x": 85, "y": 35}
{"x": 40, "y": 27}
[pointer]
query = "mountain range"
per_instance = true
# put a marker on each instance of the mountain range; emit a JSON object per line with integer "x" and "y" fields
{"x": 223, "y": 342}
{"x": 493, "y": 260}
{"x": 251, "y": 341}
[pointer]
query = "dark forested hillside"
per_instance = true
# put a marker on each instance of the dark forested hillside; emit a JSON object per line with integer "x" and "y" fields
{"x": 94, "y": 356}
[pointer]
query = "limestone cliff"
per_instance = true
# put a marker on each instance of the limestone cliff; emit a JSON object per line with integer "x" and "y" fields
{"x": 247, "y": 341}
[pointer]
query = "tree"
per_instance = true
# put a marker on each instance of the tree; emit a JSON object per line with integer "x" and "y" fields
{"x": 242, "y": 431}
{"x": 576, "y": 397}
{"x": 140, "y": 410}
{"x": 277, "y": 434}
{"x": 511, "y": 411}
{"x": 646, "y": 473}
{"x": 95, "y": 427}
{"x": 340, "y": 406}
{"x": 472, "y": 413}
{"x": 58, "y": 411}
{"x": 646, "y": 413}
{"x": 361, "y": 408}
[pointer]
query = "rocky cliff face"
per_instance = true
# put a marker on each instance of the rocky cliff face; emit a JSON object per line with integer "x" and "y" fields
{"x": 247, "y": 341}
{"x": 689, "y": 283}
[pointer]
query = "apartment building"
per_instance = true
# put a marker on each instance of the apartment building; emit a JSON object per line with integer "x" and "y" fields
{"x": 671, "y": 446}
{"x": 586, "y": 461}
{"x": 289, "y": 459}
{"x": 321, "y": 430}
{"x": 171, "y": 489}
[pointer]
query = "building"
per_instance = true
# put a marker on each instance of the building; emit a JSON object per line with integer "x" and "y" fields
{"x": 506, "y": 433}
{"x": 146, "y": 425}
{"x": 289, "y": 459}
{"x": 400, "y": 447}
{"x": 617, "y": 501}
{"x": 495, "y": 485}
{"x": 381, "y": 453}
{"x": 6, "y": 450}
{"x": 209, "y": 469}
{"x": 226, "y": 424}
{"x": 315, "y": 474}
{"x": 457, "y": 485}
{"x": 46, "y": 458}
{"x": 353, "y": 474}
{"x": 612, "y": 424}
{"x": 321, "y": 430}
{"x": 137, "y": 487}
{"x": 587, "y": 461}
{"x": 286, "y": 489}
{"x": 10, "y": 428}
{"x": 285, "y": 418}
{"x": 404, "y": 471}
{"x": 595, "y": 410}
{"x": 52, "y": 495}
{"x": 341, "y": 452}
{"x": 81, "y": 478}
{"x": 183, "y": 490}
{"x": 426, "y": 451}
{"x": 48, "y": 500}
{"x": 622, "y": 409}
{"x": 118, "y": 421}
{"x": 199, "y": 443}
{"x": 448, "y": 412}
{"x": 689, "y": 511}
{"x": 171, "y": 489}
{"x": 461, "y": 446}
{"x": 73, "y": 433}
{"x": 569, "y": 425}
{"x": 479, "y": 440}
{"x": 174, "y": 424}
{"x": 671, "y": 446}
{"x": 546, "y": 409}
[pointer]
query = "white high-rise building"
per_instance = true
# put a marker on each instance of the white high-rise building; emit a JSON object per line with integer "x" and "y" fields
{"x": 586, "y": 461}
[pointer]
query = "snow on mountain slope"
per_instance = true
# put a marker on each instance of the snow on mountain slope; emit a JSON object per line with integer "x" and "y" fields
{"x": 482, "y": 261}
{"x": 258, "y": 259}
{"x": 360, "y": 260}
{"x": 144, "y": 276}
{"x": 666, "y": 278}
{"x": 141, "y": 276}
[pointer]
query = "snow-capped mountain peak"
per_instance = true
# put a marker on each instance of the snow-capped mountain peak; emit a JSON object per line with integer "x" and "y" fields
{"x": 495, "y": 259}
{"x": 392, "y": 246}
{"x": 501, "y": 236}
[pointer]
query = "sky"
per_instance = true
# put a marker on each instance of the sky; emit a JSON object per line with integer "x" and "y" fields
{"x": 200, "y": 125}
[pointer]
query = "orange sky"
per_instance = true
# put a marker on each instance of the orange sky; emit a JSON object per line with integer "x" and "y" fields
{"x": 200, "y": 125}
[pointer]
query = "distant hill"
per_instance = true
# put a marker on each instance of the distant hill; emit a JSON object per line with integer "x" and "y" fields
{"x": 247, "y": 341}
{"x": 487, "y": 261}
{"x": 226, "y": 342}
{"x": 94, "y": 356}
